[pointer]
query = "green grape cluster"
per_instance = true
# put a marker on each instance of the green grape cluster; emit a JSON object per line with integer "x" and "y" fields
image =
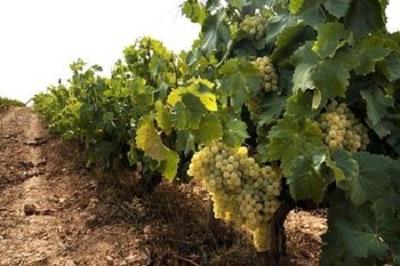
{"x": 268, "y": 73}
{"x": 241, "y": 190}
{"x": 343, "y": 130}
{"x": 254, "y": 104}
{"x": 254, "y": 26}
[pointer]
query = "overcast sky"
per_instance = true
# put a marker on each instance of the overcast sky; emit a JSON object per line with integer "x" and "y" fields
{"x": 40, "y": 38}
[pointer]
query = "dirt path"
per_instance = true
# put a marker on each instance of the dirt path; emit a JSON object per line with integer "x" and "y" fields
{"x": 28, "y": 229}
{"x": 53, "y": 212}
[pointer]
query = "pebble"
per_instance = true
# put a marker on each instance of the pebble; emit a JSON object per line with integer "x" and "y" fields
{"x": 109, "y": 260}
{"x": 69, "y": 263}
{"x": 30, "y": 209}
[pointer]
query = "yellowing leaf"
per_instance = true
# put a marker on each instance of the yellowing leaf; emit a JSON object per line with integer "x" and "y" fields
{"x": 200, "y": 89}
{"x": 150, "y": 142}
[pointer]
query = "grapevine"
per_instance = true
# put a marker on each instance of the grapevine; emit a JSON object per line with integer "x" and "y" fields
{"x": 332, "y": 136}
{"x": 241, "y": 190}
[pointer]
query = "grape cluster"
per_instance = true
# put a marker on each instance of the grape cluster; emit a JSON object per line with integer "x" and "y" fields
{"x": 268, "y": 73}
{"x": 254, "y": 26}
{"x": 241, "y": 190}
{"x": 254, "y": 104}
{"x": 343, "y": 130}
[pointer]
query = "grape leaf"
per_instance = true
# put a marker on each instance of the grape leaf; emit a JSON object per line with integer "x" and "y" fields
{"x": 150, "y": 142}
{"x": 391, "y": 66}
{"x": 210, "y": 129}
{"x": 338, "y": 8}
{"x": 271, "y": 108}
{"x": 240, "y": 78}
{"x": 235, "y": 132}
{"x": 330, "y": 75}
{"x": 370, "y": 50}
{"x": 277, "y": 24}
{"x": 194, "y": 11}
{"x": 364, "y": 17}
{"x": 352, "y": 229}
{"x": 295, "y": 6}
{"x": 331, "y": 37}
{"x": 198, "y": 88}
{"x": 374, "y": 180}
{"x": 305, "y": 181}
{"x": 344, "y": 167}
{"x": 289, "y": 40}
{"x": 300, "y": 105}
{"x": 215, "y": 32}
{"x": 310, "y": 11}
{"x": 303, "y": 137}
{"x": 162, "y": 117}
{"x": 377, "y": 104}
{"x": 362, "y": 235}
{"x": 185, "y": 142}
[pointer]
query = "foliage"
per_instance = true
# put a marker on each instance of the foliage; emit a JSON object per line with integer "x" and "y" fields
{"x": 159, "y": 108}
{"x": 6, "y": 102}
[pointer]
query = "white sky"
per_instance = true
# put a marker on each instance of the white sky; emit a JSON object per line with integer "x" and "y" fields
{"x": 40, "y": 38}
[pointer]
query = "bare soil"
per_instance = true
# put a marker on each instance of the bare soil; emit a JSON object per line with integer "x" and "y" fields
{"x": 53, "y": 211}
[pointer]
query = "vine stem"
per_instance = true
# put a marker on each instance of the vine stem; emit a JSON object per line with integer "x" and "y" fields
{"x": 277, "y": 255}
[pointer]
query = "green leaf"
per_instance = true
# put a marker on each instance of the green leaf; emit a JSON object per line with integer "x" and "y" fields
{"x": 367, "y": 235}
{"x": 304, "y": 138}
{"x": 194, "y": 11}
{"x": 344, "y": 167}
{"x": 364, "y": 17}
{"x": 360, "y": 238}
{"x": 374, "y": 180}
{"x": 185, "y": 142}
{"x": 235, "y": 133}
{"x": 331, "y": 37}
{"x": 215, "y": 32}
{"x": 240, "y": 78}
{"x": 162, "y": 117}
{"x": 277, "y": 24}
{"x": 377, "y": 104}
{"x": 210, "y": 129}
{"x": 199, "y": 88}
{"x": 391, "y": 66}
{"x": 148, "y": 140}
{"x": 300, "y": 104}
{"x": 289, "y": 41}
{"x": 295, "y": 6}
{"x": 305, "y": 181}
{"x": 271, "y": 108}
{"x": 338, "y": 8}
{"x": 330, "y": 75}
{"x": 310, "y": 11}
{"x": 370, "y": 50}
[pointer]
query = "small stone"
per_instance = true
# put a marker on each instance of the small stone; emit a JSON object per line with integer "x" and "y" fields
{"x": 131, "y": 259}
{"x": 123, "y": 263}
{"x": 69, "y": 263}
{"x": 30, "y": 209}
{"x": 109, "y": 260}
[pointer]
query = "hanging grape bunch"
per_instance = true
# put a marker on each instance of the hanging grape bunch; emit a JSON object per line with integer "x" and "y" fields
{"x": 254, "y": 26}
{"x": 343, "y": 130}
{"x": 268, "y": 73}
{"x": 241, "y": 190}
